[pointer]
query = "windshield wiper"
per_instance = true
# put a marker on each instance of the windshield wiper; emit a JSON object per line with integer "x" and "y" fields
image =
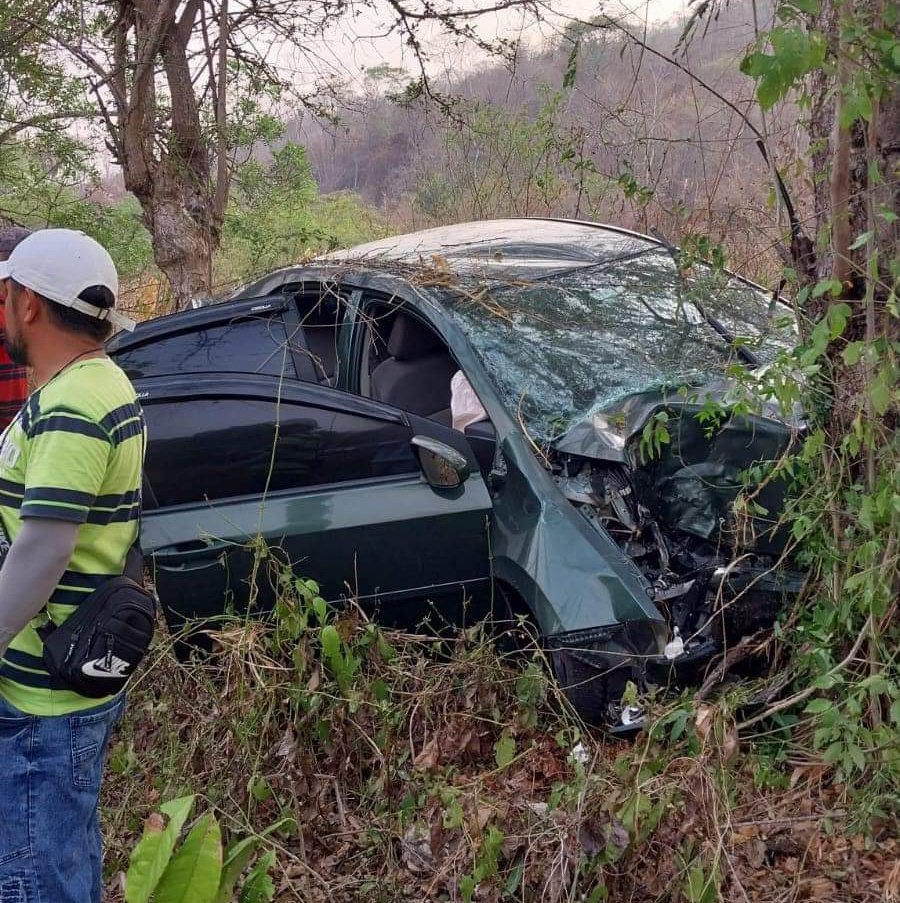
{"x": 722, "y": 330}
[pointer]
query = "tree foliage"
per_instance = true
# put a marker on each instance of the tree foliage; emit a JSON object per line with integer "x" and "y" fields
{"x": 183, "y": 89}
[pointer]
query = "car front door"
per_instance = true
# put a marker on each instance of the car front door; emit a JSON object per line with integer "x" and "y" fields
{"x": 326, "y": 481}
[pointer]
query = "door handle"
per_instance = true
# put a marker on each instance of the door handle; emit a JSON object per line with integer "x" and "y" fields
{"x": 190, "y": 555}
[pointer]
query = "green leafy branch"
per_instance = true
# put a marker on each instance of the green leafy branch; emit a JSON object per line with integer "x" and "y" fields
{"x": 199, "y": 870}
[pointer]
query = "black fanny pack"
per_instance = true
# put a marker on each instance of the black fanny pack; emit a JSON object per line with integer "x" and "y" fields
{"x": 98, "y": 647}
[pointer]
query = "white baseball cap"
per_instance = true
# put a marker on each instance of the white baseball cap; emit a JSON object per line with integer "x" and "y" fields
{"x": 60, "y": 264}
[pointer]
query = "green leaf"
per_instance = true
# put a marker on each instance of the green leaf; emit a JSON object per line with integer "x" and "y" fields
{"x": 331, "y": 642}
{"x": 700, "y": 888}
{"x": 834, "y": 753}
{"x": 877, "y": 684}
{"x": 467, "y": 887}
{"x": 387, "y": 652}
{"x": 826, "y": 285}
{"x": 258, "y": 887}
{"x": 259, "y": 789}
{"x": 151, "y": 856}
{"x": 853, "y": 352}
{"x": 504, "y": 750}
{"x": 857, "y": 756}
{"x": 571, "y": 67}
{"x": 827, "y": 681}
{"x": 857, "y": 105}
{"x": 238, "y": 856}
{"x": 818, "y": 706}
{"x": 795, "y": 53}
{"x": 194, "y": 873}
{"x": 804, "y": 6}
{"x": 838, "y": 315}
{"x": 514, "y": 880}
{"x": 880, "y": 391}
{"x": 861, "y": 240}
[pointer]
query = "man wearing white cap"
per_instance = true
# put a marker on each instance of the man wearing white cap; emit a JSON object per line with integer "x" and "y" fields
{"x": 70, "y": 478}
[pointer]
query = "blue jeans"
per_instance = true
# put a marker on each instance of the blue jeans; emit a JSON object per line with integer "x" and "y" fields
{"x": 50, "y": 773}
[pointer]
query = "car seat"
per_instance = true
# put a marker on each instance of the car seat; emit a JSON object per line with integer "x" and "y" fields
{"x": 321, "y": 341}
{"x": 416, "y": 376}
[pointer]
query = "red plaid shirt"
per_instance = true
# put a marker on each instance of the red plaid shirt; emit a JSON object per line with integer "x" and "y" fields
{"x": 13, "y": 386}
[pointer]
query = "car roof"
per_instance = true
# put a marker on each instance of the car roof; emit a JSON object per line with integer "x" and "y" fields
{"x": 503, "y": 249}
{"x": 500, "y": 248}
{"x": 505, "y": 242}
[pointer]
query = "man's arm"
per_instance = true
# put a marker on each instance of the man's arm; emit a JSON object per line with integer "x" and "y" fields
{"x": 35, "y": 563}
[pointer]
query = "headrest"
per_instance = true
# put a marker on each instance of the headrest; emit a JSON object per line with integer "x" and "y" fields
{"x": 410, "y": 339}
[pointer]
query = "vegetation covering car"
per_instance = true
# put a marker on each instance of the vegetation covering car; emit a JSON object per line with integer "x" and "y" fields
{"x": 601, "y": 497}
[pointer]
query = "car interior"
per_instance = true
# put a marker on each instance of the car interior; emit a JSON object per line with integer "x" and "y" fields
{"x": 321, "y": 319}
{"x": 321, "y": 313}
{"x": 413, "y": 370}
{"x": 406, "y": 364}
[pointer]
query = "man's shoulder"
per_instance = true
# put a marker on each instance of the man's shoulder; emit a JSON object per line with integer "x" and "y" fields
{"x": 100, "y": 392}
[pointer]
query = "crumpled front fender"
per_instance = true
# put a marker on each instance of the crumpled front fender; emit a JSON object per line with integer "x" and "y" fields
{"x": 571, "y": 575}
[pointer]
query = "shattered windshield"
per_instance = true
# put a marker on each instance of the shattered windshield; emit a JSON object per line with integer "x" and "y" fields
{"x": 562, "y": 347}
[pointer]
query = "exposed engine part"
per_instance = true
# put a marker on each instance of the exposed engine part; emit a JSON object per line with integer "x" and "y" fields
{"x": 632, "y": 716}
{"x": 605, "y": 493}
{"x": 708, "y": 598}
{"x": 675, "y": 646}
{"x": 613, "y": 485}
{"x": 578, "y": 489}
{"x": 668, "y": 592}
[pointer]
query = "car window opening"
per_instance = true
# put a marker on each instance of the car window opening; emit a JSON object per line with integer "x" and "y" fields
{"x": 321, "y": 314}
{"x": 407, "y": 364}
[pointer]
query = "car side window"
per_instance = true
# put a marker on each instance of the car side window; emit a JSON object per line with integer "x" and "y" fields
{"x": 321, "y": 315}
{"x": 238, "y": 446}
{"x": 247, "y": 345}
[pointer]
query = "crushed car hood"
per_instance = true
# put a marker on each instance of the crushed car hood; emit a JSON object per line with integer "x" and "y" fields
{"x": 691, "y": 482}
{"x": 607, "y": 433}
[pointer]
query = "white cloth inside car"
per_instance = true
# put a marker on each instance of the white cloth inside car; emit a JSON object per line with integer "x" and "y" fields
{"x": 465, "y": 407}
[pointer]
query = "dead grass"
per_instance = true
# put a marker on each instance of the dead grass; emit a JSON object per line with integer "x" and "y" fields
{"x": 448, "y": 772}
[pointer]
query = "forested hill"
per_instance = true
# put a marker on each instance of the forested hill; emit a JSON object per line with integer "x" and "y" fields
{"x": 585, "y": 125}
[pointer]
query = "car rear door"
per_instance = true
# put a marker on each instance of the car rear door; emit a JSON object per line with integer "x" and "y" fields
{"x": 326, "y": 480}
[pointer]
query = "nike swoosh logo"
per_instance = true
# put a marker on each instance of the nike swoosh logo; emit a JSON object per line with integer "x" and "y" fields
{"x": 97, "y": 668}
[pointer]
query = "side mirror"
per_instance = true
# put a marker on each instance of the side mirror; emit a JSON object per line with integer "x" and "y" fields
{"x": 443, "y": 467}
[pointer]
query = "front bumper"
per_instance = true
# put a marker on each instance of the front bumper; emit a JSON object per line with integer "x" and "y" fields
{"x": 594, "y": 666}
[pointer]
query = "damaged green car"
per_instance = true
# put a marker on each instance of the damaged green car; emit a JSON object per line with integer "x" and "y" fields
{"x": 527, "y": 417}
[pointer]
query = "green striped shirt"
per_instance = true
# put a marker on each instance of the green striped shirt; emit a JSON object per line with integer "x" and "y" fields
{"x": 74, "y": 454}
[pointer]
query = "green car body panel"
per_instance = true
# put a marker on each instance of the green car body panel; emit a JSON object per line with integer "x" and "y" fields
{"x": 523, "y": 524}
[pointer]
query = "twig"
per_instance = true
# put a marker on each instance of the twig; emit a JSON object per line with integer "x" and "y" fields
{"x": 808, "y": 691}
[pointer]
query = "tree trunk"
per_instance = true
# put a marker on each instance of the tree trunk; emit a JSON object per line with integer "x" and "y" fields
{"x": 854, "y": 167}
{"x": 169, "y": 176}
{"x": 181, "y": 245}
